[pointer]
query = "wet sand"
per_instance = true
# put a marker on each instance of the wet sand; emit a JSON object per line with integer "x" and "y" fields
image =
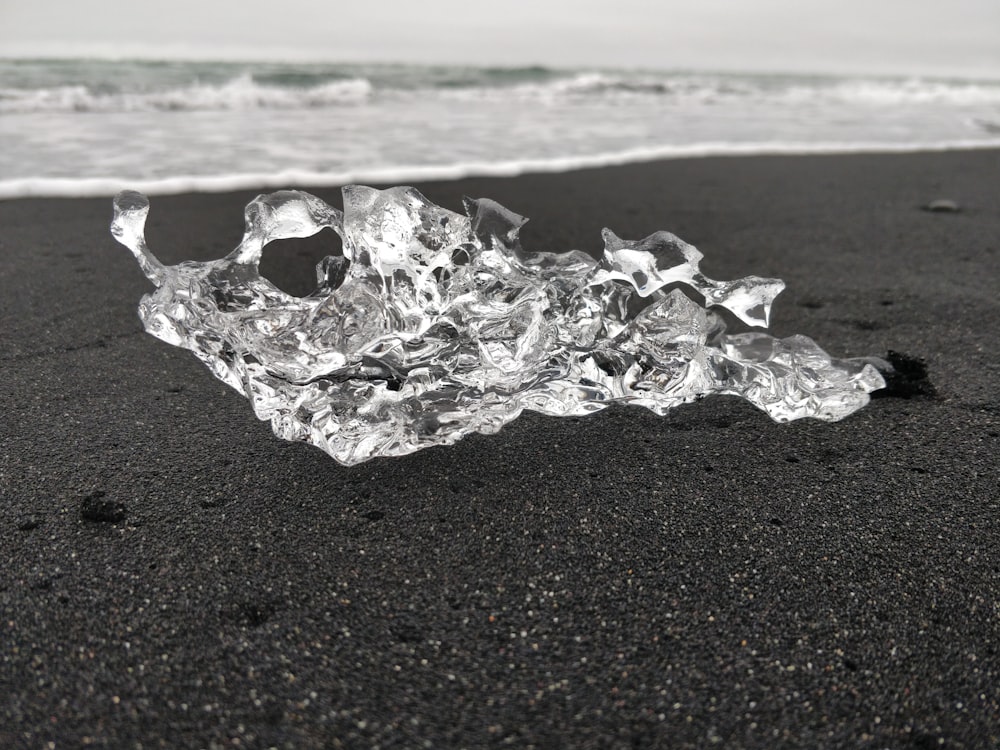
{"x": 621, "y": 580}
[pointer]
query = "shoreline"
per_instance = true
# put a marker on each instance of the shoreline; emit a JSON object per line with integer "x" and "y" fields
{"x": 173, "y": 570}
{"x": 93, "y": 187}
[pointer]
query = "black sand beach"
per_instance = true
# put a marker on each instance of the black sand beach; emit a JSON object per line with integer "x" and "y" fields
{"x": 619, "y": 581}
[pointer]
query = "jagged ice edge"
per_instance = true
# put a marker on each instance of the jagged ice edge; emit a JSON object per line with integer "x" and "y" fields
{"x": 433, "y": 325}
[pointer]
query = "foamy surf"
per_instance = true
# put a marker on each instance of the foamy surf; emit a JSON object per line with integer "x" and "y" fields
{"x": 230, "y": 87}
{"x": 90, "y": 127}
{"x": 240, "y": 93}
{"x": 34, "y": 187}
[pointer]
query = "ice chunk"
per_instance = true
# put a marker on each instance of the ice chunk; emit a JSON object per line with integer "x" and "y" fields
{"x": 434, "y": 325}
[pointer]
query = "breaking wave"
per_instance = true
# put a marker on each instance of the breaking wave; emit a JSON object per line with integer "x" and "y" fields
{"x": 208, "y": 126}
{"x": 776, "y": 89}
{"x": 240, "y": 93}
{"x": 249, "y": 89}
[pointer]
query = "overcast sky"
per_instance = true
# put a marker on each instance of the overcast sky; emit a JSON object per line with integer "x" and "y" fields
{"x": 953, "y": 37}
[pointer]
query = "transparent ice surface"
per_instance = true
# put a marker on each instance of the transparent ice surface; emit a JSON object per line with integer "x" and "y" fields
{"x": 433, "y": 325}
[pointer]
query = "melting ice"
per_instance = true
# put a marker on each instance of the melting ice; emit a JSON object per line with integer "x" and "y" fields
{"x": 433, "y": 325}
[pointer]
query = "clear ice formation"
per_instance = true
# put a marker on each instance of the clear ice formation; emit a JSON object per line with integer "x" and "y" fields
{"x": 433, "y": 325}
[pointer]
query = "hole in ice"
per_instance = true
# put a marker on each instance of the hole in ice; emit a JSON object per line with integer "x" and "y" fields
{"x": 290, "y": 264}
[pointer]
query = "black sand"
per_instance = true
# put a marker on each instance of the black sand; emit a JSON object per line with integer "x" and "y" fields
{"x": 617, "y": 581}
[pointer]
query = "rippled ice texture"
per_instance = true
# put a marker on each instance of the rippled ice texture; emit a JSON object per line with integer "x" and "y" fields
{"x": 434, "y": 325}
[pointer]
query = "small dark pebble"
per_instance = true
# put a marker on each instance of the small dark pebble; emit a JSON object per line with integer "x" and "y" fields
{"x": 927, "y": 742}
{"x": 906, "y": 377}
{"x": 28, "y": 523}
{"x": 374, "y": 515}
{"x": 406, "y": 629}
{"x": 943, "y": 207}
{"x": 95, "y": 507}
{"x": 251, "y": 614}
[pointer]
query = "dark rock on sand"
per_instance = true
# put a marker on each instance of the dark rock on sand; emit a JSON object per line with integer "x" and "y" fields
{"x": 29, "y": 523}
{"x": 97, "y": 508}
{"x": 905, "y": 377}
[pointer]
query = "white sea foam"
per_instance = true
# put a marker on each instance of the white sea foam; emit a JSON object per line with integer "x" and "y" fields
{"x": 62, "y": 187}
{"x": 707, "y": 88}
{"x": 244, "y": 91}
{"x": 91, "y": 127}
{"x": 912, "y": 91}
{"x": 240, "y": 93}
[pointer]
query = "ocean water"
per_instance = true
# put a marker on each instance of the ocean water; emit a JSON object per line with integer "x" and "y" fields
{"x": 92, "y": 127}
